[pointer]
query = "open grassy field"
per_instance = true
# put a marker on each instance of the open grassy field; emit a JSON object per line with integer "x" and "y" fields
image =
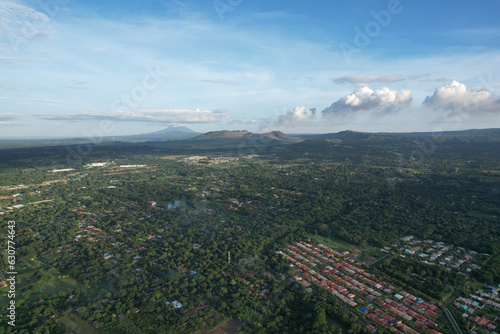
{"x": 475, "y": 285}
{"x": 51, "y": 288}
{"x": 334, "y": 243}
{"x": 76, "y": 325}
{"x": 367, "y": 255}
{"x": 229, "y": 327}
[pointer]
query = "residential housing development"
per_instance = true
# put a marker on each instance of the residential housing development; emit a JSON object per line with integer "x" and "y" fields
{"x": 382, "y": 304}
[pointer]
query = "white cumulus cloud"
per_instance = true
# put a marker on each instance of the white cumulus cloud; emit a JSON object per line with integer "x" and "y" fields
{"x": 456, "y": 96}
{"x": 367, "y": 99}
{"x": 297, "y": 116}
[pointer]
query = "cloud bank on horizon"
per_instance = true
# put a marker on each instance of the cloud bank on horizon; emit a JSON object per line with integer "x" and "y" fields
{"x": 64, "y": 66}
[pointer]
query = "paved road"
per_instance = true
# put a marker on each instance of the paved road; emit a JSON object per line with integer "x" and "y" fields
{"x": 381, "y": 259}
{"x": 451, "y": 317}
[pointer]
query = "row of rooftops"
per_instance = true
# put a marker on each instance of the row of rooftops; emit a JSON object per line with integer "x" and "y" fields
{"x": 355, "y": 286}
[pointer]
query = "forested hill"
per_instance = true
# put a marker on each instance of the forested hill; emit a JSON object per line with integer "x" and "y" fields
{"x": 184, "y": 138}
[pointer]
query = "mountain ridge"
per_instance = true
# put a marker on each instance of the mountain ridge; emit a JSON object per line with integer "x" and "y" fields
{"x": 244, "y": 134}
{"x": 169, "y": 133}
{"x": 184, "y": 138}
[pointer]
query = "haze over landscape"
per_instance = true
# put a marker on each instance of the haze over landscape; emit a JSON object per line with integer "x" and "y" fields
{"x": 249, "y": 166}
{"x": 254, "y": 65}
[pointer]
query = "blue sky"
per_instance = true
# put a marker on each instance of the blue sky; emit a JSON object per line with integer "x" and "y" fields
{"x": 74, "y": 68}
